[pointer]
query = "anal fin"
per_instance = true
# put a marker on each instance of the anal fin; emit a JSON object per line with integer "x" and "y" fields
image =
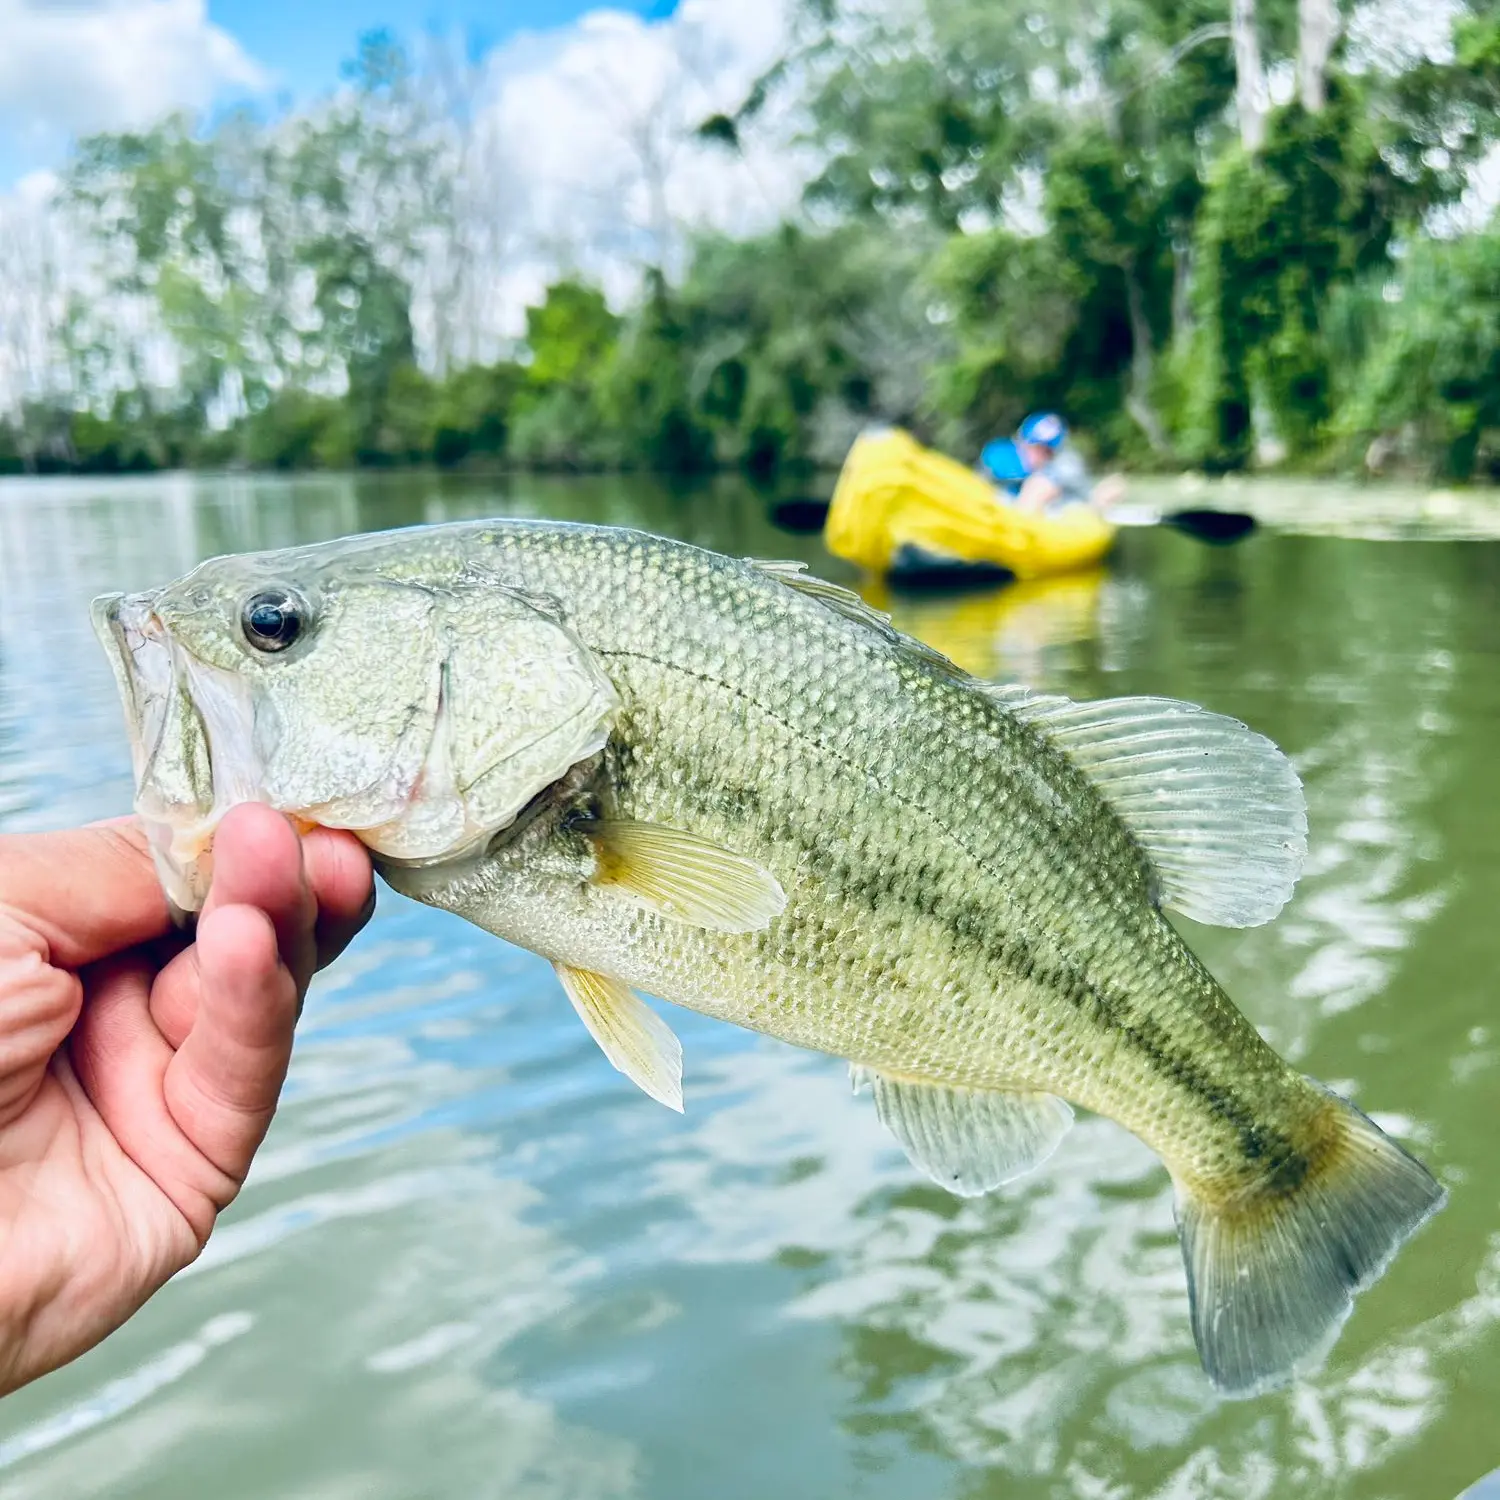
{"x": 969, "y": 1141}
{"x": 630, "y": 1034}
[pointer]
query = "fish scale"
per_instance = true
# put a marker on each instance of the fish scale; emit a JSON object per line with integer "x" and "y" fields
{"x": 734, "y": 787}
{"x": 924, "y": 738}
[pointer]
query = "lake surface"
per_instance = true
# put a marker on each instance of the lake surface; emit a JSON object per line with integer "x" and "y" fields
{"x": 473, "y": 1261}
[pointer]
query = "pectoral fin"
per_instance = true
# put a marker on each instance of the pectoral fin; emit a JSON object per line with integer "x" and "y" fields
{"x": 969, "y": 1141}
{"x": 686, "y": 878}
{"x": 632, "y": 1036}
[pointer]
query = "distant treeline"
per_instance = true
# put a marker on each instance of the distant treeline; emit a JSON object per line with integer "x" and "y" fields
{"x": 1094, "y": 212}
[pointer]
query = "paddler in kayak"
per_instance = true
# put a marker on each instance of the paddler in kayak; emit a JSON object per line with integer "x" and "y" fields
{"x": 1039, "y": 471}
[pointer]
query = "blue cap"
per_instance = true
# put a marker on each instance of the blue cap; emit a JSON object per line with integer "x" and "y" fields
{"x": 1044, "y": 428}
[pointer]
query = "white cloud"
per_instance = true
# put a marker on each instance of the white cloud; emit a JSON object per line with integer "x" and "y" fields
{"x": 72, "y": 66}
{"x": 594, "y": 127}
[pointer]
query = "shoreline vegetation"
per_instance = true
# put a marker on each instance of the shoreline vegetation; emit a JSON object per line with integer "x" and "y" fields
{"x": 1110, "y": 220}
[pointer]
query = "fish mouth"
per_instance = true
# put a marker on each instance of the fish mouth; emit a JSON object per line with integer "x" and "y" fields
{"x": 139, "y": 655}
{"x": 169, "y": 745}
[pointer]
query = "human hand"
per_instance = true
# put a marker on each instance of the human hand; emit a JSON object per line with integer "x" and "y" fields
{"x": 1037, "y": 493}
{"x": 1109, "y": 491}
{"x": 140, "y": 1068}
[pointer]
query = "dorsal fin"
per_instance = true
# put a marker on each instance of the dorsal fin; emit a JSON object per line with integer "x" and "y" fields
{"x": 1217, "y": 808}
{"x": 851, "y": 606}
{"x": 839, "y": 599}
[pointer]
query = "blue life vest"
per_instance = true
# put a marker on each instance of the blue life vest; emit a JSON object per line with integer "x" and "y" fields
{"x": 1002, "y": 461}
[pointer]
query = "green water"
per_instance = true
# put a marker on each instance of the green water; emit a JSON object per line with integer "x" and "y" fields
{"x": 472, "y": 1261}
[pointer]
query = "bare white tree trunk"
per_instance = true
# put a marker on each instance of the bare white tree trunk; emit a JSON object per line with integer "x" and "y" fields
{"x": 1142, "y": 367}
{"x": 1250, "y": 97}
{"x": 1317, "y": 31}
{"x": 33, "y": 297}
{"x": 1182, "y": 287}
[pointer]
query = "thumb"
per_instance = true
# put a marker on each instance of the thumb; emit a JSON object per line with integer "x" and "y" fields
{"x": 223, "y": 1083}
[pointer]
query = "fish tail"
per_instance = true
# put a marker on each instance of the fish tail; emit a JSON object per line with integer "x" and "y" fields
{"x": 1272, "y": 1268}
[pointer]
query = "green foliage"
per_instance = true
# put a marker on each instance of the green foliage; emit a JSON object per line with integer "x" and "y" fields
{"x": 297, "y": 430}
{"x": 1277, "y": 235}
{"x": 160, "y": 203}
{"x": 941, "y": 109}
{"x": 1014, "y": 312}
{"x": 401, "y": 425}
{"x": 37, "y": 440}
{"x": 646, "y": 396}
{"x": 1050, "y": 320}
{"x": 798, "y": 339}
{"x": 270, "y": 256}
{"x": 1427, "y": 381}
{"x": 1124, "y": 111}
{"x": 953, "y": 115}
{"x": 132, "y": 439}
{"x": 471, "y": 413}
{"x": 1016, "y": 208}
{"x": 570, "y": 334}
{"x": 558, "y": 420}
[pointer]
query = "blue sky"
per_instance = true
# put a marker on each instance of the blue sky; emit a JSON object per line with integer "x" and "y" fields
{"x": 85, "y": 65}
{"x": 303, "y": 42}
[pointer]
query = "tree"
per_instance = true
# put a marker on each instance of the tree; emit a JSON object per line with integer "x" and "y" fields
{"x": 1096, "y": 121}
{"x": 32, "y": 300}
{"x": 1199, "y": 235}
{"x": 1425, "y": 361}
{"x": 262, "y": 257}
{"x": 571, "y": 336}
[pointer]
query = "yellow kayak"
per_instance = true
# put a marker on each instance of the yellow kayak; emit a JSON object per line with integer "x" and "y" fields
{"x": 893, "y": 494}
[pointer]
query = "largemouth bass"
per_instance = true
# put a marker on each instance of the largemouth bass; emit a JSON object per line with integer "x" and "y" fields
{"x": 735, "y": 787}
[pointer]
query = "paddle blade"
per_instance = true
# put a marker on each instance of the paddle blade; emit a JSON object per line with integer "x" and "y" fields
{"x": 802, "y": 514}
{"x": 1217, "y": 527}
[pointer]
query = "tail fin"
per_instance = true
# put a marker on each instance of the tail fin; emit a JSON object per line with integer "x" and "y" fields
{"x": 1272, "y": 1275}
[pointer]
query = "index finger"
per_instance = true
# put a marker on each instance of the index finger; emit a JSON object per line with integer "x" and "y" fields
{"x": 87, "y": 892}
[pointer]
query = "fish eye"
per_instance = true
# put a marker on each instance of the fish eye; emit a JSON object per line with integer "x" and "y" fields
{"x": 273, "y": 619}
